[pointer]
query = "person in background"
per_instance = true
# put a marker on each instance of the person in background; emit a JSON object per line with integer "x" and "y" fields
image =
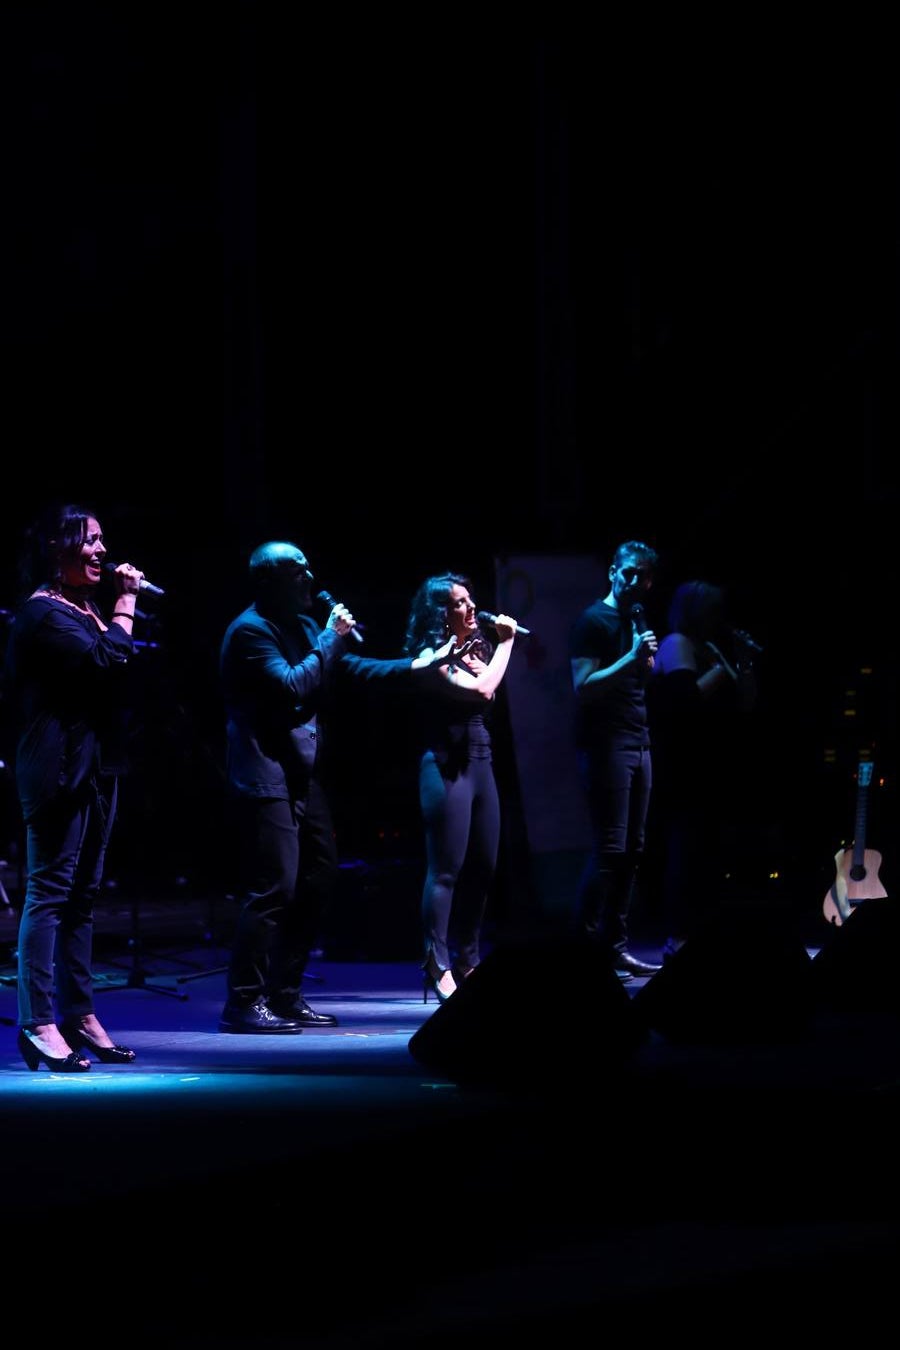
{"x": 612, "y": 650}
{"x": 696, "y": 698}
{"x": 280, "y": 671}
{"x": 66, "y": 676}
{"x": 458, "y": 795}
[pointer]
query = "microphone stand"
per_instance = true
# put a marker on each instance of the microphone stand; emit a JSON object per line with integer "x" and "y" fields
{"x": 137, "y": 975}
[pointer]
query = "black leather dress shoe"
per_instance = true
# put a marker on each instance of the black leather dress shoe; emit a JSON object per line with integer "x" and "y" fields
{"x": 632, "y": 966}
{"x": 301, "y": 1012}
{"x": 258, "y": 1019}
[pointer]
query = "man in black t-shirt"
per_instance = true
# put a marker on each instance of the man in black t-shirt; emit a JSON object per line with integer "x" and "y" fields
{"x": 612, "y": 651}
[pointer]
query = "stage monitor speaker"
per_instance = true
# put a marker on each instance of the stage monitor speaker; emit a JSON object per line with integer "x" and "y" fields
{"x": 744, "y": 977}
{"x": 536, "y": 1015}
{"x": 855, "y": 969}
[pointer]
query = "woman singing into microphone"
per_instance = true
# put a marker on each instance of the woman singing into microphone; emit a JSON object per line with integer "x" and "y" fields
{"x": 67, "y": 682}
{"x": 457, "y": 790}
{"x": 697, "y": 701}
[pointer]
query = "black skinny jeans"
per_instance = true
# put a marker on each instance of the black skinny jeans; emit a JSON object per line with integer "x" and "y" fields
{"x": 461, "y": 814}
{"x": 66, "y": 850}
{"x": 617, "y": 785}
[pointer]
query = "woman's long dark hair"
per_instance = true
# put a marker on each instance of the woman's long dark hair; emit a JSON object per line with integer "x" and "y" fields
{"x": 696, "y": 609}
{"x": 58, "y": 533}
{"x": 427, "y": 623}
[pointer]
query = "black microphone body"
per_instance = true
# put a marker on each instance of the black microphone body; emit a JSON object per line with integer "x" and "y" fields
{"x": 640, "y": 618}
{"x": 143, "y": 584}
{"x": 484, "y": 617}
{"x": 328, "y": 599}
{"x": 745, "y": 640}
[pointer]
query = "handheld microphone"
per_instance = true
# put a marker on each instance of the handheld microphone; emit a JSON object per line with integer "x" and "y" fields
{"x": 745, "y": 639}
{"x": 143, "y": 584}
{"x": 328, "y": 599}
{"x": 639, "y": 617}
{"x": 484, "y": 617}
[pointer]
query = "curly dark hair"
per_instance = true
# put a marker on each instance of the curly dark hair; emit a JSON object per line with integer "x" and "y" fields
{"x": 427, "y": 622}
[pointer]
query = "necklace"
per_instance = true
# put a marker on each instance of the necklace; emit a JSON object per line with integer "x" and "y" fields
{"x": 58, "y": 595}
{"x": 84, "y": 609}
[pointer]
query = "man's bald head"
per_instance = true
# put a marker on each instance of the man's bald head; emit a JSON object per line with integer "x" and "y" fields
{"x": 277, "y": 566}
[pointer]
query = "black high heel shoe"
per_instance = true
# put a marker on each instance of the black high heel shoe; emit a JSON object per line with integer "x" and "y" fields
{"x": 34, "y": 1056}
{"x": 107, "y": 1054}
{"x": 431, "y": 978}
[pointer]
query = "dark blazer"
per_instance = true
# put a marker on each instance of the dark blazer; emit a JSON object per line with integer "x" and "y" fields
{"x": 277, "y": 679}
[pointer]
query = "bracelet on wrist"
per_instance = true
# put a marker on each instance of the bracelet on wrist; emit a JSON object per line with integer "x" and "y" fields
{"x": 122, "y": 614}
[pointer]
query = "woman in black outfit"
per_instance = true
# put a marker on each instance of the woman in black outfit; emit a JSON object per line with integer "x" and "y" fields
{"x": 457, "y": 789}
{"x": 65, "y": 678}
{"x": 697, "y": 701}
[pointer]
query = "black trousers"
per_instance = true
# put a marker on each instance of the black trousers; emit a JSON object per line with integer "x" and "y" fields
{"x": 617, "y": 784}
{"x": 289, "y": 870}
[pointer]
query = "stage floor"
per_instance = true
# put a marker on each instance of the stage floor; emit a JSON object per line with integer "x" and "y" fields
{"x": 332, "y": 1189}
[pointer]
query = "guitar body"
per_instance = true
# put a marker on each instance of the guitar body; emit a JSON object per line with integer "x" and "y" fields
{"x": 854, "y": 882}
{"x": 856, "y": 868}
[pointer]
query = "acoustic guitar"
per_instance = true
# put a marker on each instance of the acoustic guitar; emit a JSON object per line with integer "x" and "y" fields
{"x": 857, "y": 867}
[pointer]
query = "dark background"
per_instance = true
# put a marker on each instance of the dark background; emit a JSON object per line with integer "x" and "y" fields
{"x": 420, "y": 294}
